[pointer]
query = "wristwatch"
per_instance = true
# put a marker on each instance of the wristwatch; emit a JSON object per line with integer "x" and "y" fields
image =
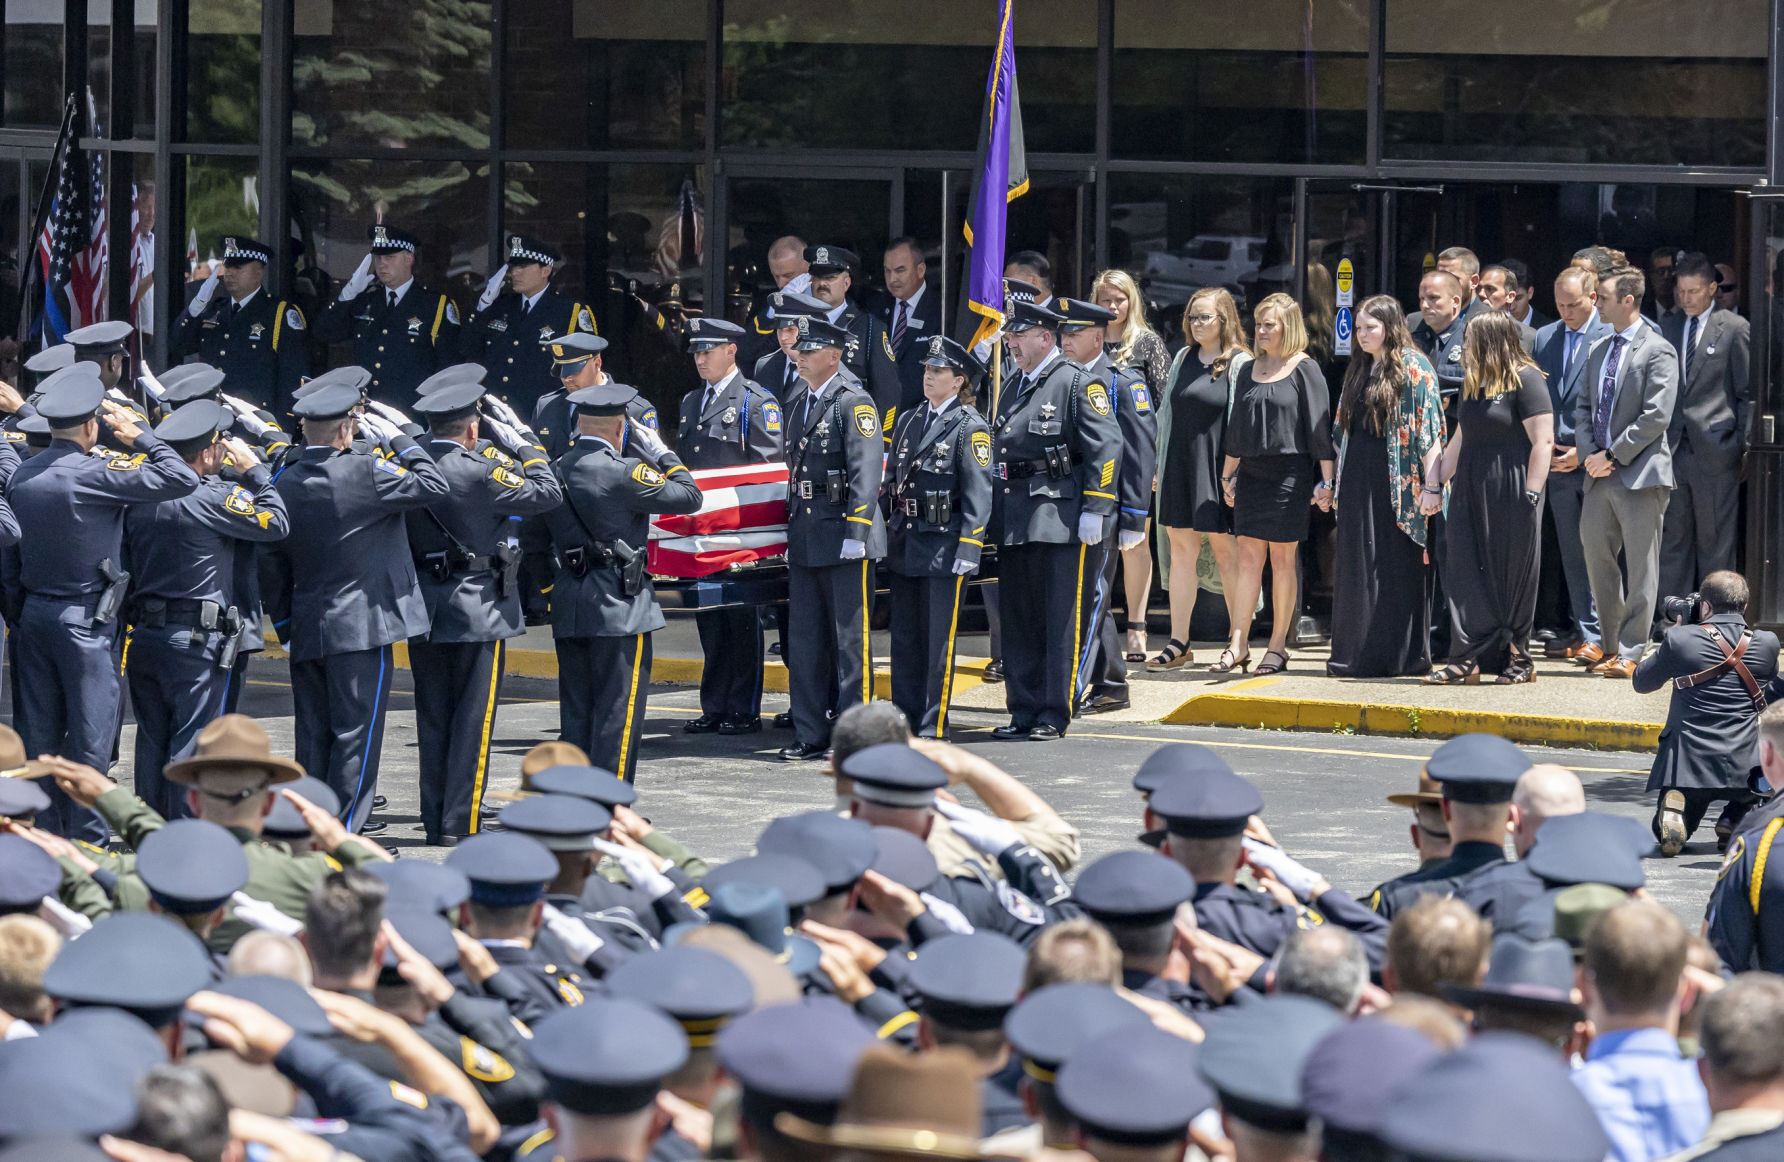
{"x": 1533, "y": 496}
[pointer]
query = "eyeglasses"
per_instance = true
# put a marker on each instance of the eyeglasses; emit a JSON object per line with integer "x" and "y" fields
{"x": 1195, "y": 319}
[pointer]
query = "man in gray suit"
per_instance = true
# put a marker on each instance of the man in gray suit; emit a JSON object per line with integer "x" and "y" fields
{"x": 1562, "y": 349}
{"x": 1709, "y": 429}
{"x": 1620, "y": 422}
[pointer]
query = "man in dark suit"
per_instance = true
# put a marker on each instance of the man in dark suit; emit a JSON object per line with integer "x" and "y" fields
{"x": 1561, "y": 352}
{"x": 868, "y": 355}
{"x": 1523, "y": 294}
{"x": 1711, "y": 740}
{"x": 1709, "y": 429}
{"x": 1620, "y": 421}
{"x": 786, "y": 262}
{"x": 911, "y": 315}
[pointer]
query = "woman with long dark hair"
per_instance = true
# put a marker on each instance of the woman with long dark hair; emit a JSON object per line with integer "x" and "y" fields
{"x": 1390, "y": 436}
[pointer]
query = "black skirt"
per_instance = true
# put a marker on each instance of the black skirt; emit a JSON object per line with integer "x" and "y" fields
{"x": 1381, "y": 594}
{"x": 1273, "y": 497}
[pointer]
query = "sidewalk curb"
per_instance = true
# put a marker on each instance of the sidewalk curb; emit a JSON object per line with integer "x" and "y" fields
{"x": 1386, "y": 718}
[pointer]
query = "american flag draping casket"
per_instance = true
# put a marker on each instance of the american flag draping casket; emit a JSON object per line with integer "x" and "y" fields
{"x": 742, "y": 518}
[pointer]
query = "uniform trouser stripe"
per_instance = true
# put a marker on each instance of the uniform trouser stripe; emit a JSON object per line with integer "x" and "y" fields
{"x": 489, "y": 723}
{"x": 625, "y": 738}
{"x": 866, "y": 636}
{"x": 1077, "y": 625}
{"x": 947, "y": 661}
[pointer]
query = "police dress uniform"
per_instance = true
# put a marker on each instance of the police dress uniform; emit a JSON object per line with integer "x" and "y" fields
{"x": 460, "y": 548}
{"x": 1056, "y": 449}
{"x": 937, "y": 495}
{"x": 509, "y": 871}
{"x": 64, "y": 595}
{"x": 342, "y": 590}
{"x": 728, "y": 424}
{"x": 603, "y": 608}
{"x": 1744, "y": 922}
{"x": 259, "y": 342}
{"x": 834, "y": 467}
{"x": 401, "y": 334}
{"x": 970, "y": 983}
{"x": 184, "y": 622}
{"x": 776, "y": 370}
{"x": 867, "y": 349}
{"x": 507, "y": 337}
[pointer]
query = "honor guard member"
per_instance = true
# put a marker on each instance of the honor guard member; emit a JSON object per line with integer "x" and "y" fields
{"x": 1056, "y": 447}
{"x": 65, "y": 595}
{"x": 778, "y": 371}
{"x": 402, "y": 331}
{"x": 604, "y": 1064}
{"x": 254, "y": 339}
{"x": 867, "y": 349}
{"x": 938, "y": 501}
{"x": 185, "y": 624}
{"x": 515, "y": 320}
{"x": 469, "y": 577}
{"x": 603, "y": 609}
{"x": 341, "y": 588}
{"x": 1102, "y": 676}
{"x": 554, "y": 417}
{"x": 834, "y": 534}
{"x": 1135, "y": 895}
{"x": 508, "y": 874}
{"x": 727, "y": 422}
{"x": 1477, "y": 774}
{"x": 189, "y": 382}
{"x": 1745, "y": 919}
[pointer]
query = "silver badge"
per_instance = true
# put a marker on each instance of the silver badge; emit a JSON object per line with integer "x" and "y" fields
{"x": 730, "y": 416}
{"x": 935, "y": 346}
{"x": 1047, "y": 411}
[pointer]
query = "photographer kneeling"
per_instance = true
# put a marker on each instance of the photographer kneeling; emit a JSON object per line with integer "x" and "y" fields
{"x": 1719, "y": 669}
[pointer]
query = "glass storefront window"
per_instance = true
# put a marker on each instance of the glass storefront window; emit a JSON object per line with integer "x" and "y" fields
{"x": 222, "y": 197}
{"x": 1268, "y": 81}
{"x": 391, "y": 75}
{"x": 1644, "y": 82}
{"x": 223, "y": 71}
{"x": 901, "y": 74}
{"x": 134, "y": 113}
{"x": 581, "y": 74}
{"x": 31, "y": 67}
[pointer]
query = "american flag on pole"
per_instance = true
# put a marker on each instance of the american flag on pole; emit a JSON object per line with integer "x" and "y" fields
{"x": 72, "y": 251}
{"x": 742, "y": 518}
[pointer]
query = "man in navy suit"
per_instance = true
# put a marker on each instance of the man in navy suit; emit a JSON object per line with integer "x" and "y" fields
{"x": 911, "y": 315}
{"x": 1561, "y": 349}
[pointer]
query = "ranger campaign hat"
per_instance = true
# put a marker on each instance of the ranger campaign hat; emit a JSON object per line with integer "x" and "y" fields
{"x": 798, "y": 882}
{"x": 794, "y": 1058}
{"x": 1138, "y": 888}
{"x": 695, "y": 987}
{"x": 457, "y": 373}
{"x": 894, "y": 774}
{"x": 238, "y": 249}
{"x": 51, "y": 359}
{"x": 523, "y": 250}
{"x": 903, "y": 1105}
{"x": 787, "y": 306}
{"x": 815, "y": 333}
{"x": 945, "y": 352}
{"x": 190, "y": 381}
{"x": 191, "y": 866}
{"x": 506, "y": 870}
{"x": 1177, "y": 759}
{"x": 13, "y": 763}
{"x": 70, "y": 397}
{"x": 449, "y": 402}
{"x": 1253, "y": 1058}
{"x": 1590, "y": 847}
{"x": 286, "y": 822}
{"x": 1523, "y": 975}
{"x": 28, "y": 873}
{"x": 1081, "y": 315}
{"x": 839, "y": 848}
{"x": 1429, "y": 794}
{"x": 101, "y": 340}
{"x": 603, "y": 399}
{"x": 388, "y": 239}
{"x": 1346, "y": 1079}
{"x": 560, "y": 822}
{"x": 1477, "y": 768}
{"x": 586, "y": 782}
{"x": 229, "y": 743}
{"x": 192, "y": 427}
{"x": 1213, "y": 804}
{"x": 1025, "y": 316}
{"x": 969, "y": 981}
{"x": 606, "y": 1056}
{"x": 823, "y": 260}
{"x": 1050, "y": 1024}
{"x": 419, "y": 884}
{"x": 1135, "y": 1086}
{"x": 905, "y": 859}
{"x": 138, "y": 961}
{"x": 704, "y": 334}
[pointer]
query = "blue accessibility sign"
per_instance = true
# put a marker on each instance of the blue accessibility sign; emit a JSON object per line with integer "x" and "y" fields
{"x": 1344, "y": 329}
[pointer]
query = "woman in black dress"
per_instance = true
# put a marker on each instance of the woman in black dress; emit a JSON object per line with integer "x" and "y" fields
{"x": 1278, "y": 463}
{"x": 1192, "y": 417}
{"x": 1390, "y": 436}
{"x": 1496, "y": 466}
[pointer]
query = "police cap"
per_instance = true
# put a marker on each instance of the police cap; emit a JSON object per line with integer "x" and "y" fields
{"x": 696, "y": 987}
{"x": 759, "y": 912}
{"x": 1212, "y": 805}
{"x": 788, "y": 306}
{"x": 422, "y": 885}
{"x": 50, "y": 1089}
{"x": 841, "y": 849}
{"x": 1253, "y": 1057}
{"x": 190, "y": 381}
{"x": 123, "y": 1038}
{"x": 1346, "y": 1079}
{"x": 817, "y": 333}
{"x": 506, "y": 870}
{"x": 449, "y": 402}
{"x": 523, "y": 250}
{"x": 945, "y": 352}
{"x": 1050, "y": 1024}
{"x": 572, "y": 350}
{"x": 1502, "y": 1097}
{"x": 388, "y": 239}
{"x": 138, "y": 961}
{"x": 1135, "y": 1086}
{"x": 704, "y": 334}
{"x": 606, "y": 1056}
{"x": 325, "y": 403}
{"x": 285, "y": 822}
{"x": 969, "y": 982}
{"x": 796, "y": 1058}
{"x": 1477, "y": 768}
{"x": 1177, "y": 758}
{"x": 1133, "y": 887}
{"x": 1533, "y": 976}
{"x": 191, "y": 867}
{"x": 237, "y": 250}
{"x": 1572, "y": 911}
{"x": 586, "y": 782}
{"x": 427, "y": 932}
{"x": 825, "y": 260}
{"x": 15, "y": 768}
{"x": 21, "y": 799}
{"x": 351, "y": 376}
{"x": 1024, "y": 316}
{"x": 1080, "y": 315}
{"x": 905, "y": 859}
{"x": 101, "y": 340}
{"x": 457, "y": 373}
{"x": 1590, "y": 847}
{"x": 192, "y": 427}
{"x": 798, "y": 882}
{"x": 51, "y": 359}
{"x": 70, "y": 397}
{"x": 35, "y": 427}
{"x": 1017, "y": 290}
{"x": 28, "y": 873}
{"x": 603, "y": 399}
{"x": 560, "y": 822}
{"x": 894, "y": 774}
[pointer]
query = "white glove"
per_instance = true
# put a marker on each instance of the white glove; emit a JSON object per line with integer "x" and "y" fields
{"x": 202, "y": 299}
{"x": 853, "y": 550}
{"x": 260, "y": 914}
{"x": 385, "y": 412}
{"x": 639, "y": 868}
{"x": 492, "y": 288}
{"x": 505, "y": 437}
{"x": 1090, "y": 528}
{"x": 1127, "y": 539}
{"x": 151, "y": 385}
{"x": 576, "y": 937}
{"x": 647, "y": 442}
{"x": 245, "y": 412}
{"x": 496, "y": 406}
{"x": 988, "y": 834}
{"x": 962, "y": 568}
{"x": 799, "y": 284}
{"x": 1295, "y": 876}
{"x": 378, "y": 429}
{"x": 63, "y": 918}
{"x": 952, "y": 918}
{"x": 361, "y": 279}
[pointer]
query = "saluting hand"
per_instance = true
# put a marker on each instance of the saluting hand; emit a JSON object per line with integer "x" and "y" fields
{"x": 241, "y": 456}
{"x": 78, "y": 781}
{"x": 242, "y": 1027}
{"x": 10, "y": 399}
{"x": 121, "y": 420}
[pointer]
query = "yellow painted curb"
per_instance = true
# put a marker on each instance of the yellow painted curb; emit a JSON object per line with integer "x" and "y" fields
{"x": 1416, "y": 721}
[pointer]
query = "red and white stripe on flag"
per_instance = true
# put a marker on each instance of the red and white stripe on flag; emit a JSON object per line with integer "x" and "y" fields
{"x": 742, "y": 518}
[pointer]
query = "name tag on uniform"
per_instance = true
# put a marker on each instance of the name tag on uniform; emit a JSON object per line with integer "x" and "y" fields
{"x": 498, "y": 324}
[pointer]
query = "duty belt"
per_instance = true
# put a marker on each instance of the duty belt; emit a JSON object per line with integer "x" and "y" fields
{"x": 455, "y": 564}
{"x": 187, "y": 613}
{"x": 1021, "y": 469}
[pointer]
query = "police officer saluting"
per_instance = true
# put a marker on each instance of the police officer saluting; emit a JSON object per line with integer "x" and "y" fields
{"x": 1056, "y": 450}
{"x": 64, "y": 595}
{"x": 402, "y": 331}
{"x": 185, "y": 625}
{"x": 469, "y": 580}
{"x": 834, "y": 534}
{"x": 938, "y": 502}
{"x": 867, "y": 353}
{"x": 253, "y": 338}
{"x": 603, "y": 609}
{"x": 727, "y": 422}
{"x": 515, "y": 317}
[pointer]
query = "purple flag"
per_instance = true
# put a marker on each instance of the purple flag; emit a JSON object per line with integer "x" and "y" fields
{"x": 1002, "y": 178}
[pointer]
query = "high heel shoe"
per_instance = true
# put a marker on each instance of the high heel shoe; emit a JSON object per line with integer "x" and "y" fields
{"x": 1268, "y": 667}
{"x": 1454, "y": 674}
{"x": 1136, "y": 644}
{"x": 1229, "y": 662}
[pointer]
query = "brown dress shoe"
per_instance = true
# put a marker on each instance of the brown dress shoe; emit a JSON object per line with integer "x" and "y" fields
{"x": 1620, "y": 668}
{"x": 1585, "y": 653}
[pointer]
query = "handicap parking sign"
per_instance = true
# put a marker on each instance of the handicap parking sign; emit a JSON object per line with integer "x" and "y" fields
{"x": 1344, "y": 326}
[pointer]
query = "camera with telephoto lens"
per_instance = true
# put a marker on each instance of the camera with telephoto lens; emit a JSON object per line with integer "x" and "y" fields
{"x": 1682, "y": 610}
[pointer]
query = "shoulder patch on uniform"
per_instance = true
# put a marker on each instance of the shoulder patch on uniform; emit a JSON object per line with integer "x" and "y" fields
{"x": 122, "y": 463}
{"x": 1142, "y": 399}
{"x": 981, "y": 445}
{"x": 1306, "y": 917}
{"x": 294, "y": 318}
{"x": 408, "y": 1096}
{"x": 239, "y": 501}
{"x": 16, "y": 437}
{"x": 482, "y": 1064}
{"x": 647, "y": 476}
{"x": 569, "y": 992}
{"x": 1098, "y": 395}
{"x": 1737, "y": 847}
{"x": 771, "y": 417}
{"x": 1019, "y": 905}
{"x": 886, "y": 343}
{"x": 389, "y": 467}
{"x": 451, "y": 313}
{"x": 506, "y": 478}
{"x": 585, "y": 319}
{"x": 649, "y": 419}
{"x": 866, "y": 422}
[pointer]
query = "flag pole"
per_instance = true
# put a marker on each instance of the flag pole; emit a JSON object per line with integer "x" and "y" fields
{"x": 996, "y": 373}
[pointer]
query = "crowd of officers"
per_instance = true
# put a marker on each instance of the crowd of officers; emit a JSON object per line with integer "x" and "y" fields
{"x": 895, "y": 976}
{"x": 466, "y": 479}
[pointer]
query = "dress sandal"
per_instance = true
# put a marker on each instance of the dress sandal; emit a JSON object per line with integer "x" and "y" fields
{"x": 1454, "y": 674}
{"x": 1173, "y": 656}
{"x": 1229, "y": 662}
{"x": 1268, "y": 667}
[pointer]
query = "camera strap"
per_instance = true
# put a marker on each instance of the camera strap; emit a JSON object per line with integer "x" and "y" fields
{"x": 1731, "y": 660}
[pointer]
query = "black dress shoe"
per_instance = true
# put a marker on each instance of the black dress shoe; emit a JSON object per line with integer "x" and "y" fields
{"x": 373, "y": 826}
{"x": 994, "y": 670}
{"x": 379, "y": 802}
{"x": 1012, "y": 732}
{"x": 749, "y": 725}
{"x": 705, "y": 724}
{"x": 1102, "y": 704}
{"x": 802, "y": 752}
{"x": 1044, "y": 733}
{"x": 783, "y": 720}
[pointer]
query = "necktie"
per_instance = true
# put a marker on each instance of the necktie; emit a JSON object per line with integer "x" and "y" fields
{"x": 1690, "y": 340}
{"x": 898, "y": 326}
{"x": 390, "y": 299}
{"x": 923, "y": 425}
{"x": 1568, "y": 352}
{"x": 1607, "y": 390}
{"x": 792, "y": 375}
